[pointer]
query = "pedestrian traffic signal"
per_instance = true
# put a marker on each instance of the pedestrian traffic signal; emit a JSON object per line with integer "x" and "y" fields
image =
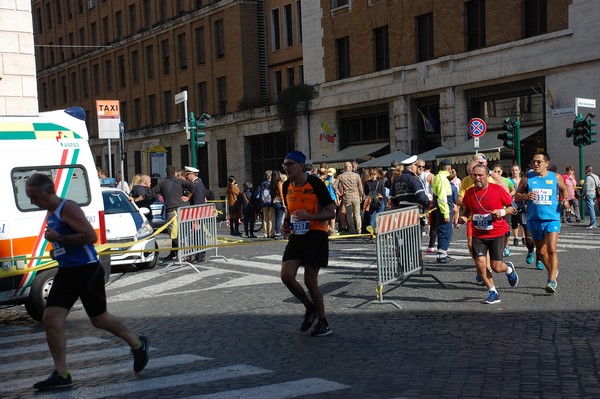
{"x": 508, "y": 138}
{"x": 200, "y": 133}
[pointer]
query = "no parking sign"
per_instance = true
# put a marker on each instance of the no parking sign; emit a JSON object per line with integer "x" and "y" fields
{"x": 477, "y": 129}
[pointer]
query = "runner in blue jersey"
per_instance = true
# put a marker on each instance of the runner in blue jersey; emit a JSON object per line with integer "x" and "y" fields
{"x": 539, "y": 187}
{"x": 79, "y": 276}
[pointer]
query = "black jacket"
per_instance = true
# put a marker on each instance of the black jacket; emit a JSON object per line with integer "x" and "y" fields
{"x": 408, "y": 188}
{"x": 171, "y": 189}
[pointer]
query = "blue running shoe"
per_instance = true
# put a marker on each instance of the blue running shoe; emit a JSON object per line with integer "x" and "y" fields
{"x": 530, "y": 257}
{"x": 551, "y": 286}
{"x": 513, "y": 278}
{"x": 506, "y": 251}
{"x": 493, "y": 297}
{"x": 539, "y": 265}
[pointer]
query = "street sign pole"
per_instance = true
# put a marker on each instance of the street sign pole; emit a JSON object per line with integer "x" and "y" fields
{"x": 582, "y": 177}
{"x": 518, "y": 141}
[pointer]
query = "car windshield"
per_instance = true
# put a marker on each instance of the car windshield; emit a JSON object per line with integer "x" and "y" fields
{"x": 117, "y": 202}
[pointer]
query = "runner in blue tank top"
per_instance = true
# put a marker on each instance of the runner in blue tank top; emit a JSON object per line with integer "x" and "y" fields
{"x": 539, "y": 188}
{"x": 79, "y": 276}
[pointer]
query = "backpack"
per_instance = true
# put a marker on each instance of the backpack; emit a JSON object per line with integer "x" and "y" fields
{"x": 375, "y": 201}
{"x": 262, "y": 195}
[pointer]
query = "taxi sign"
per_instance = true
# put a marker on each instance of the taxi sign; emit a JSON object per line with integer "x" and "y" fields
{"x": 477, "y": 127}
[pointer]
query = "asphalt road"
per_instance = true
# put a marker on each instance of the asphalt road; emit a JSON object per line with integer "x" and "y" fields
{"x": 232, "y": 331}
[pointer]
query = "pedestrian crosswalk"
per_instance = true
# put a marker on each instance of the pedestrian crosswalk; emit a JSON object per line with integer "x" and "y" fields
{"x": 18, "y": 376}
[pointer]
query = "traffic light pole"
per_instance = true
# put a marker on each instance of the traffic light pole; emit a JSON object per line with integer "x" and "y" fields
{"x": 582, "y": 180}
{"x": 193, "y": 146}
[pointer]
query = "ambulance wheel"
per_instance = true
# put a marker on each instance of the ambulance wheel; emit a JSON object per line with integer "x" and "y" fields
{"x": 152, "y": 263}
{"x": 36, "y": 302}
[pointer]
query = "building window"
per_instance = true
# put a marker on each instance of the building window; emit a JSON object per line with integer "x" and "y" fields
{"x": 149, "y": 62}
{"x": 342, "y": 52}
{"x": 119, "y": 25}
{"x": 121, "y": 66}
{"x": 69, "y": 10}
{"x": 200, "y": 46}
{"x": 38, "y": 19}
{"x": 79, "y": 7}
{"x": 425, "y": 37}
{"x": 81, "y": 41}
{"x": 71, "y": 39}
{"x": 84, "y": 83}
{"x": 147, "y": 7}
{"x": 135, "y": 66}
{"x": 124, "y": 113}
{"x": 108, "y": 75}
{"x": 63, "y": 89}
{"x": 289, "y": 77}
{"x": 51, "y": 52}
{"x": 137, "y": 160}
{"x": 372, "y": 126}
{"x": 382, "y": 48}
{"x": 166, "y": 63}
{"x": 299, "y": 22}
{"x": 48, "y": 16}
{"x": 475, "y": 24}
{"x": 278, "y": 83}
{"x": 289, "y": 25}
{"x": 152, "y": 110}
{"x": 536, "y": 17}
{"x": 180, "y": 4}
{"x": 53, "y": 99}
{"x": 266, "y": 150}
{"x": 96, "y": 79}
{"x": 202, "y": 97}
{"x": 58, "y": 8}
{"x": 132, "y": 19}
{"x": 182, "y": 51}
{"x": 137, "y": 113}
{"x": 105, "y": 30}
{"x": 222, "y": 91}
{"x": 61, "y": 49}
{"x": 93, "y": 34}
{"x": 275, "y": 30}
{"x": 167, "y": 100}
{"x": 339, "y": 3}
{"x": 220, "y": 39}
{"x": 74, "y": 87}
{"x": 301, "y": 73}
{"x": 222, "y": 162}
{"x": 44, "y": 95}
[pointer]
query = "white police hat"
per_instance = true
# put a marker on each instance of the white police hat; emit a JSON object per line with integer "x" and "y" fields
{"x": 191, "y": 169}
{"x": 409, "y": 160}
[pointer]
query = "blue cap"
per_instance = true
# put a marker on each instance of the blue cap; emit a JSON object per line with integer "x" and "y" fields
{"x": 296, "y": 156}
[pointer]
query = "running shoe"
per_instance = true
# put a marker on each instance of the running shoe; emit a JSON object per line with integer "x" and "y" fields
{"x": 523, "y": 241}
{"x": 539, "y": 265}
{"x": 431, "y": 250}
{"x": 140, "y": 355}
{"x": 513, "y": 278}
{"x": 530, "y": 257}
{"x": 515, "y": 242}
{"x": 309, "y": 318}
{"x": 55, "y": 381}
{"x": 493, "y": 297}
{"x": 444, "y": 259}
{"x": 321, "y": 329}
{"x": 593, "y": 226}
{"x": 506, "y": 251}
{"x": 551, "y": 286}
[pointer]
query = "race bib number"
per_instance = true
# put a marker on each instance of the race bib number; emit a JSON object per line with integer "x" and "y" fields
{"x": 543, "y": 196}
{"x": 483, "y": 221}
{"x": 299, "y": 227}
{"x": 58, "y": 250}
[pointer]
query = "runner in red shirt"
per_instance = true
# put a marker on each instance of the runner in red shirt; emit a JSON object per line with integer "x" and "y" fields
{"x": 487, "y": 204}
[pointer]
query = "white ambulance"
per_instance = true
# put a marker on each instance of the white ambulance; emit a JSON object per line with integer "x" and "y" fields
{"x": 55, "y": 143}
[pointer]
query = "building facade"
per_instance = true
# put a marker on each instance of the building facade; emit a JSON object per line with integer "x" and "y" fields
{"x": 390, "y": 75}
{"x": 18, "y": 85}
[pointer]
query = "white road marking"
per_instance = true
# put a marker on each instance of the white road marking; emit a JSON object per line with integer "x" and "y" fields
{"x": 24, "y": 350}
{"x": 22, "y": 337}
{"x": 282, "y": 390}
{"x": 141, "y": 384}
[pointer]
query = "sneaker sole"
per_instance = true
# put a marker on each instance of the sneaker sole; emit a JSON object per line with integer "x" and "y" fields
{"x": 321, "y": 334}
{"x": 491, "y": 303}
{"x": 550, "y": 290}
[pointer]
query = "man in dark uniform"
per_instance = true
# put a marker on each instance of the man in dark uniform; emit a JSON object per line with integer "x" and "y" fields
{"x": 198, "y": 197}
{"x": 171, "y": 190}
{"x": 407, "y": 187}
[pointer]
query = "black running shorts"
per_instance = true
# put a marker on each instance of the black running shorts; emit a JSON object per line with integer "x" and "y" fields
{"x": 84, "y": 282}
{"x": 495, "y": 246}
{"x": 312, "y": 248}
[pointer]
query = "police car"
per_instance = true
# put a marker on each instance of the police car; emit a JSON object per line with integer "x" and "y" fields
{"x": 126, "y": 223}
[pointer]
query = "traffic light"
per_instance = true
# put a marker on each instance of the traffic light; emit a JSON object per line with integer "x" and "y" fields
{"x": 508, "y": 138}
{"x": 589, "y": 127}
{"x": 197, "y": 132}
{"x": 578, "y": 132}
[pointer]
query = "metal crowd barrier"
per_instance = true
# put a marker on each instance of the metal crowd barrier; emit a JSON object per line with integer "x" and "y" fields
{"x": 399, "y": 248}
{"x": 197, "y": 233}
